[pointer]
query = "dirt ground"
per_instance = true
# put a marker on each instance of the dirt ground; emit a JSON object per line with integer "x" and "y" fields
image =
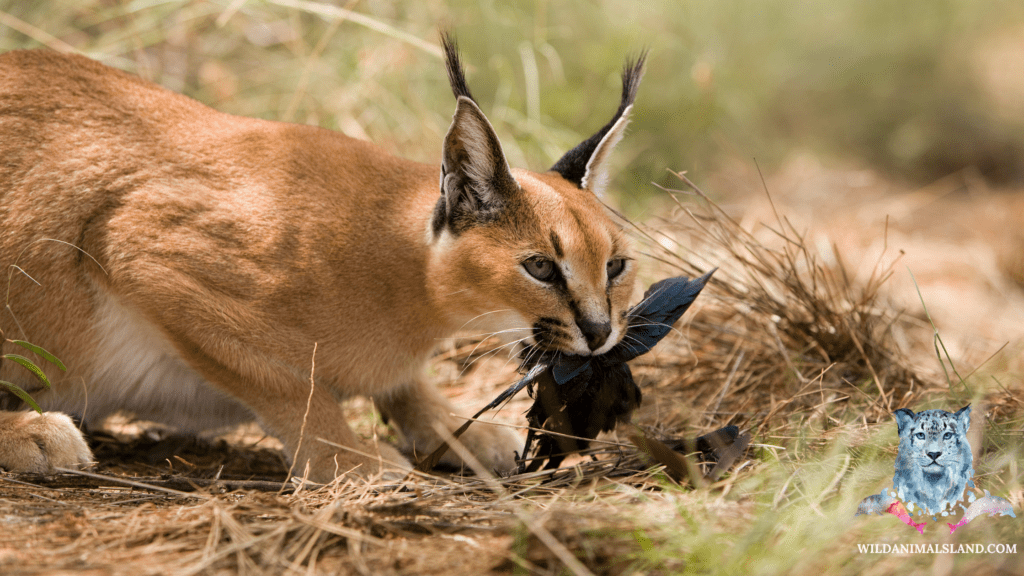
{"x": 218, "y": 507}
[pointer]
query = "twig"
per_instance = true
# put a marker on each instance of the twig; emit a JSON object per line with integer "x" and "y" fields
{"x": 520, "y": 427}
{"x": 37, "y": 34}
{"x": 532, "y": 524}
{"x": 728, "y": 382}
{"x": 309, "y": 402}
{"x": 133, "y": 483}
{"x": 335, "y": 12}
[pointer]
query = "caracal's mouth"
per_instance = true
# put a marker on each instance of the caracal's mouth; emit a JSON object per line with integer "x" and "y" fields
{"x": 548, "y": 347}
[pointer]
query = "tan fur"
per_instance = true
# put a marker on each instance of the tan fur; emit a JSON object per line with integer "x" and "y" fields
{"x": 183, "y": 263}
{"x": 38, "y": 443}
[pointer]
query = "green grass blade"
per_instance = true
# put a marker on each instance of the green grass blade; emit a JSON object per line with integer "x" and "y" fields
{"x": 38, "y": 350}
{"x": 21, "y": 394}
{"x": 937, "y": 341}
{"x": 29, "y": 365}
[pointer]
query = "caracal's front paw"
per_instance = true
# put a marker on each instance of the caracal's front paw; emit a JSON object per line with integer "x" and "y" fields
{"x": 395, "y": 466}
{"x": 495, "y": 447}
{"x": 39, "y": 443}
{"x": 326, "y": 464}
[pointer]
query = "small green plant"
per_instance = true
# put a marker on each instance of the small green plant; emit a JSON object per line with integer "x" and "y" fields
{"x": 937, "y": 342}
{"x": 31, "y": 367}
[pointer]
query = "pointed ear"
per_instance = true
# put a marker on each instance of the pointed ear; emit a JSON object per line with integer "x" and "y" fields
{"x": 474, "y": 173}
{"x": 963, "y": 417}
{"x": 475, "y": 178}
{"x": 904, "y": 419}
{"x": 586, "y": 165}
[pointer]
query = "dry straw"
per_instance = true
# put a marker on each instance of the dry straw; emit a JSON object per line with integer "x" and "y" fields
{"x": 779, "y": 341}
{"x": 783, "y": 332}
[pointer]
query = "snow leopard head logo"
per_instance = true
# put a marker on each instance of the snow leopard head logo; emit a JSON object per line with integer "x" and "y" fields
{"x": 934, "y": 467}
{"x": 934, "y": 464}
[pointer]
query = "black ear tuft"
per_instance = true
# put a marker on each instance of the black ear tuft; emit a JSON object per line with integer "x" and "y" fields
{"x": 456, "y": 74}
{"x": 632, "y": 73}
{"x": 573, "y": 166}
{"x": 476, "y": 183}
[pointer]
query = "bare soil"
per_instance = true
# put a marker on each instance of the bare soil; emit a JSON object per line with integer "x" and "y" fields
{"x": 830, "y": 336}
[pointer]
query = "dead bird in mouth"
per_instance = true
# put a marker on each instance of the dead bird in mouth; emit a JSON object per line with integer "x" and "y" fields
{"x": 578, "y": 397}
{"x": 582, "y": 396}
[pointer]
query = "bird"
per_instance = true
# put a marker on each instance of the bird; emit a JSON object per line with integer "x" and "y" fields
{"x": 578, "y": 397}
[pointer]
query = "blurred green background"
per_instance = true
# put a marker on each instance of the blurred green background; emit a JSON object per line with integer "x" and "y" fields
{"x": 916, "y": 88}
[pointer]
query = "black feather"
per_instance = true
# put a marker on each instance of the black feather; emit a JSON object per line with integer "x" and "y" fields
{"x": 582, "y": 396}
{"x": 652, "y": 319}
{"x": 578, "y": 397}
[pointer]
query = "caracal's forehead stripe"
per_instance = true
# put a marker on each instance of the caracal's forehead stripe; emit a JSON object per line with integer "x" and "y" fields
{"x": 589, "y": 239}
{"x": 581, "y": 237}
{"x": 578, "y": 225}
{"x": 556, "y": 243}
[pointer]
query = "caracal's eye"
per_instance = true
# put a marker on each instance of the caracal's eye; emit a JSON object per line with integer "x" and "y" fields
{"x": 543, "y": 270}
{"x": 947, "y": 435}
{"x": 920, "y": 435}
{"x": 615, "y": 267}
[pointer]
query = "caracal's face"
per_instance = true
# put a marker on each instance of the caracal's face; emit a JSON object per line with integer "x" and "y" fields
{"x": 554, "y": 269}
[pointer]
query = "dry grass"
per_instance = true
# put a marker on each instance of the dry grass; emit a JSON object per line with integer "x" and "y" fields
{"x": 784, "y": 342}
{"x": 800, "y": 338}
{"x": 796, "y": 335}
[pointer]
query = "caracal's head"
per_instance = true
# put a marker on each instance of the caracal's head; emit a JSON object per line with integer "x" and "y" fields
{"x": 533, "y": 256}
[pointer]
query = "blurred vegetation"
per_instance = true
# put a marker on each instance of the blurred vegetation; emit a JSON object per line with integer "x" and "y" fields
{"x": 920, "y": 88}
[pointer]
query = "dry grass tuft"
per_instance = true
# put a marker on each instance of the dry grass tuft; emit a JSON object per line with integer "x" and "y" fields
{"x": 784, "y": 342}
{"x": 783, "y": 333}
{"x": 788, "y": 340}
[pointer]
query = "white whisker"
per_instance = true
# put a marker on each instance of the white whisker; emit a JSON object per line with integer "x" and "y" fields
{"x": 511, "y": 355}
{"x": 491, "y": 352}
{"x": 482, "y": 336}
{"x": 669, "y": 326}
{"x": 481, "y": 316}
